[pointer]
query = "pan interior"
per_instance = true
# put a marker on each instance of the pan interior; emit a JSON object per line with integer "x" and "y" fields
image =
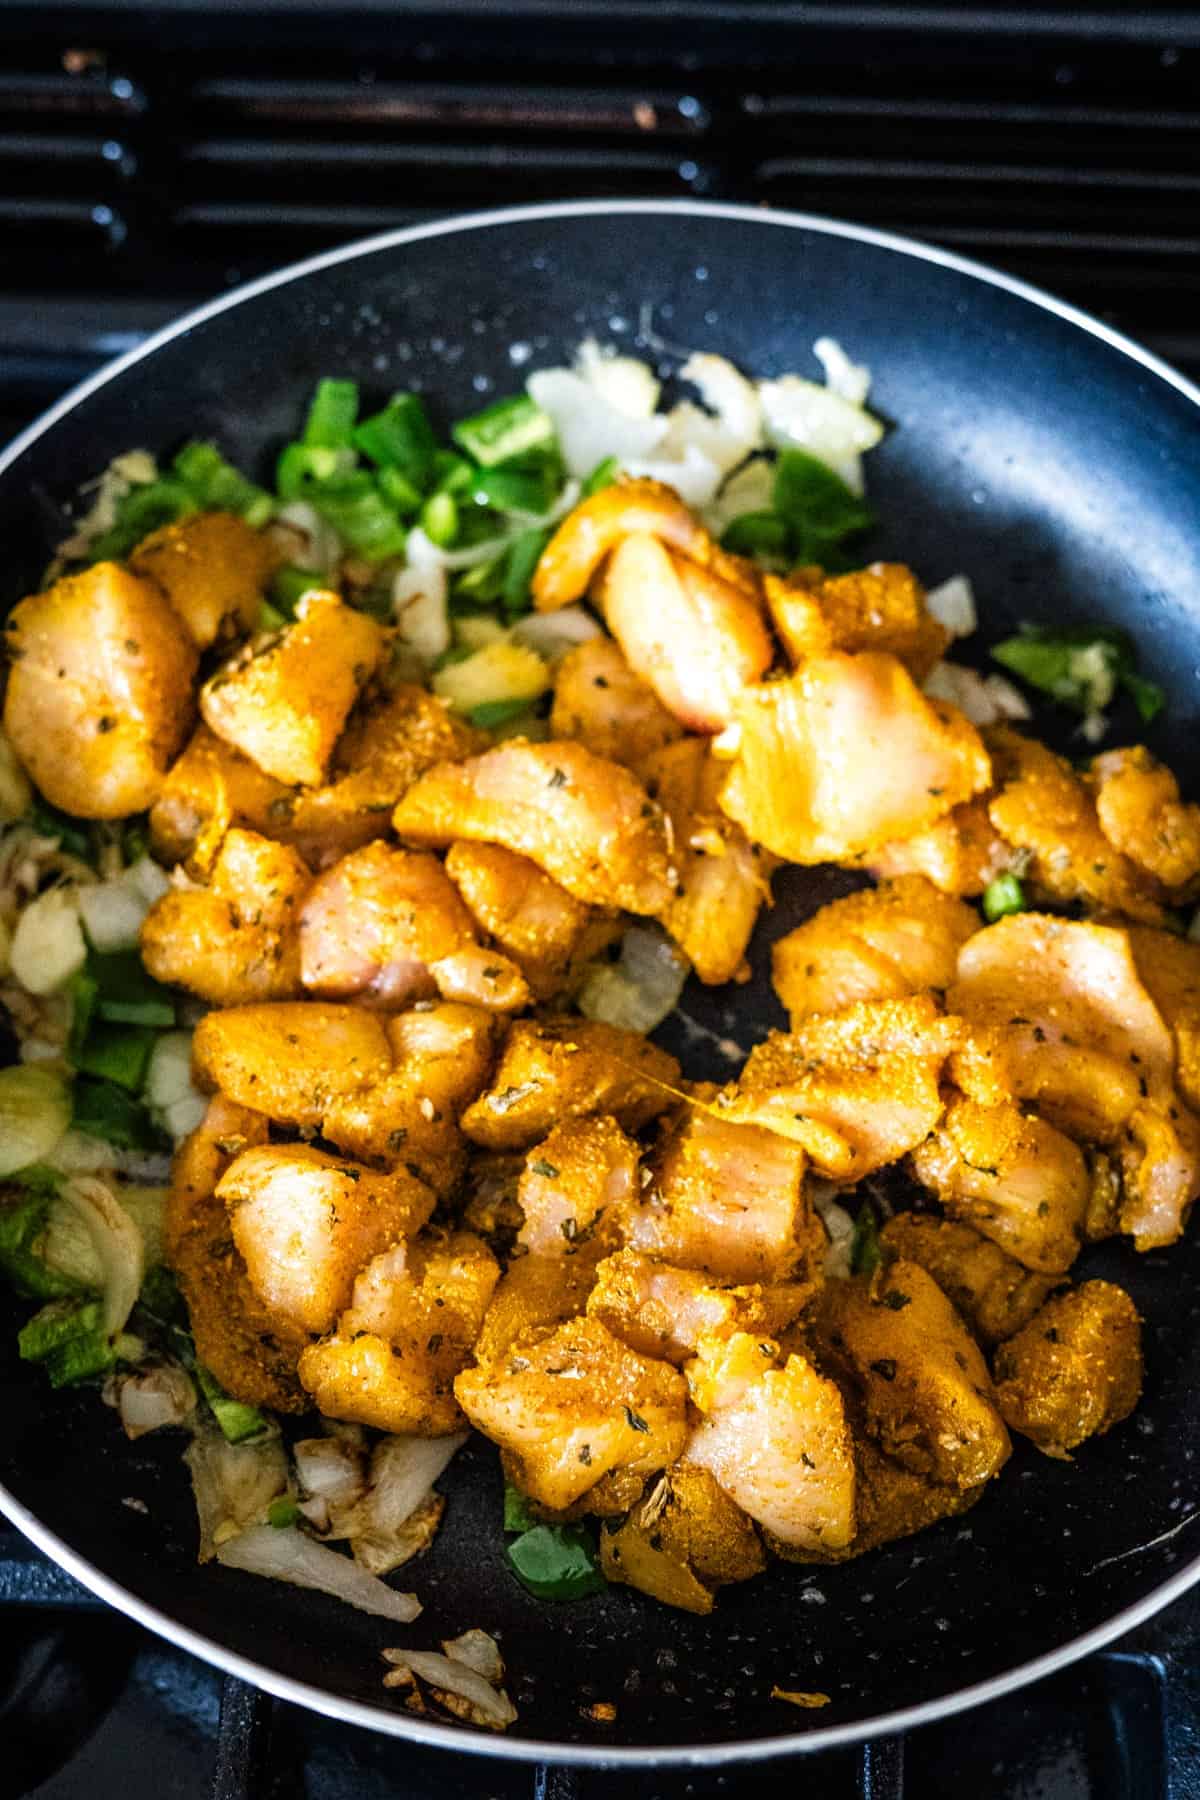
{"x": 1064, "y": 477}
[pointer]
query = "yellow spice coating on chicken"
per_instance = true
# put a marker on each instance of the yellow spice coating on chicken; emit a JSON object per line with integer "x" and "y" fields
{"x": 879, "y": 944}
{"x": 1075, "y": 1370}
{"x": 995, "y": 1293}
{"x": 1141, "y": 815}
{"x": 554, "y": 1068}
{"x": 212, "y": 569}
{"x": 236, "y": 940}
{"x": 601, "y": 703}
{"x": 878, "y": 608}
{"x": 547, "y": 932}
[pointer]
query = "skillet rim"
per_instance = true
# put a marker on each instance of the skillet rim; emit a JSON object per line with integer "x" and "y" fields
{"x": 394, "y": 1722}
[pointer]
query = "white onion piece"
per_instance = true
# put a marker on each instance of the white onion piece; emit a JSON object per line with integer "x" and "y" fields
{"x": 552, "y": 634}
{"x": 952, "y": 604}
{"x": 446, "y": 1675}
{"x": 330, "y": 1469}
{"x": 985, "y": 700}
{"x": 749, "y": 489}
{"x": 233, "y": 1484}
{"x": 642, "y": 988}
{"x": 695, "y": 478}
{"x": 624, "y": 382}
{"x": 112, "y": 913}
{"x": 420, "y": 598}
{"x": 48, "y": 945}
{"x": 78, "y": 1154}
{"x": 588, "y": 426}
{"x": 321, "y": 550}
{"x": 154, "y": 1400}
{"x": 403, "y": 1470}
{"x": 116, "y": 1240}
{"x": 35, "y": 1111}
{"x": 802, "y": 415}
{"x": 169, "y": 1090}
{"x": 16, "y": 789}
{"x": 149, "y": 878}
{"x": 476, "y": 1650}
{"x": 840, "y": 1227}
{"x": 732, "y": 427}
{"x": 288, "y": 1555}
{"x": 849, "y": 380}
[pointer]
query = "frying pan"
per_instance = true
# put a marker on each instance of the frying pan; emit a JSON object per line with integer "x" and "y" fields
{"x": 1032, "y": 447}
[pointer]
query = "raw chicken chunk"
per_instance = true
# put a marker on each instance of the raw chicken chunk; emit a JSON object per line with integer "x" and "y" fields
{"x": 881, "y": 944}
{"x": 1142, "y": 816}
{"x": 878, "y": 608}
{"x": 846, "y": 755}
{"x": 546, "y": 931}
{"x": 590, "y": 533}
{"x": 664, "y": 1310}
{"x": 960, "y": 853}
{"x": 1075, "y": 1370}
{"x": 600, "y": 702}
{"x": 995, "y": 1294}
{"x": 586, "y": 821}
{"x": 556, "y": 1069}
{"x": 291, "y": 1060}
{"x": 212, "y": 569}
{"x": 683, "y": 1540}
{"x": 235, "y": 940}
{"x": 575, "y": 1185}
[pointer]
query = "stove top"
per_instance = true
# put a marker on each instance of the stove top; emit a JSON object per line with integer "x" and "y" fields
{"x": 153, "y": 154}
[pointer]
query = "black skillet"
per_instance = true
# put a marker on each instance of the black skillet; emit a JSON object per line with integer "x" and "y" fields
{"x": 1060, "y": 467}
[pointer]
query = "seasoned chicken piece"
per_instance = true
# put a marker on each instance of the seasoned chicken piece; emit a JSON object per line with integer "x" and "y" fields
{"x": 236, "y": 939}
{"x": 995, "y": 1294}
{"x": 878, "y": 608}
{"x": 685, "y": 1538}
{"x": 576, "y": 1183}
{"x": 696, "y": 637}
{"x": 388, "y": 925}
{"x": 774, "y": 1435}
{"x": 212, "y": 568}
{"x": 1077, "y": 1032}
{"x": 960, "y": 854}
{"x": 252, "y": 1351}
{"x": 1012, "y": 1176}
{"x": 663, "y": 1310}
{"x": 857, "y": 1089}
{"x": 917, "y": 1373}
{"x": 306, "y": 1222}
{"x": 534, "y": 1296}
{"x": 582, "y": 819}
{"x": 600, "y": 702}
{"x": 724, "y": 879}
{"x": 1142, "y": 816}
{"x": 846, "y": 755}
{"x": 575, "y": 1406}
{"x": 99, "y": 694}
{"x": 556, "y": 1069}
{"x": 415, "y": 1313}
{"x": 387, "y": 743}
{"x": 591, "y": 531}
{"x": 1046, "y": 810}
{"x": 284, "y": 704}
{"x": 880, "y": 944}
{"x": 1075, "y": 1370}
{"x": 726, "y": 1198}
{"x": 291, "y": 1059}
{"x": 546, "y": 931}
{"x": 890, "y": 1502}
{"x": 441, "y": 1058}
{"x": 1169, "y": 968}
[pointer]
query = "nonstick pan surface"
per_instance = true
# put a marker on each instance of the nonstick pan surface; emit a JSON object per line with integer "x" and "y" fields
{"x": 1056, "y": 464}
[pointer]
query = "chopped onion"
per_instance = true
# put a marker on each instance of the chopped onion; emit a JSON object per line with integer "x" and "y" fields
{"x": 552, "y": 634}
{"x": 35, "y": 1111}
{"x": 331, "y": 1469}
{"x": 849, "y": 380}
{"x": 802, "y": 415}
{"x": 588, "y": 426}
{"x": 169, "y": 1090}
{"x": 695, "y": 478}
{"x": 78, "y": 1153}
{"x": 152, "y": 1401}
{"x": 640, "y": 990}
{"x": 749, "y": 489}
{"x": 475, "y": 631}
{"x": 476, "y": 1650}
{"x": 952, "y": 604}
{"x": 457, "y": 1686}
{"x": 233, "y": 1483}
{"x": 840, "y": 1227}
{"x": 420, "y": 599}
{"x": 733, "y": 425}
{"x": 112, "y": 913}
{"x": 288, "y": 1555}
{"x": 624, "y": 382}
{"x": 48, "y": 944}
{"x": 117, "y": 1264}
{"x": 16, "y": 789}
{"x": 985, "y": 700}
{"x": 149, "y": 878}
{"x": 403, "y": 1471}
{"x": 321, "y": 549}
